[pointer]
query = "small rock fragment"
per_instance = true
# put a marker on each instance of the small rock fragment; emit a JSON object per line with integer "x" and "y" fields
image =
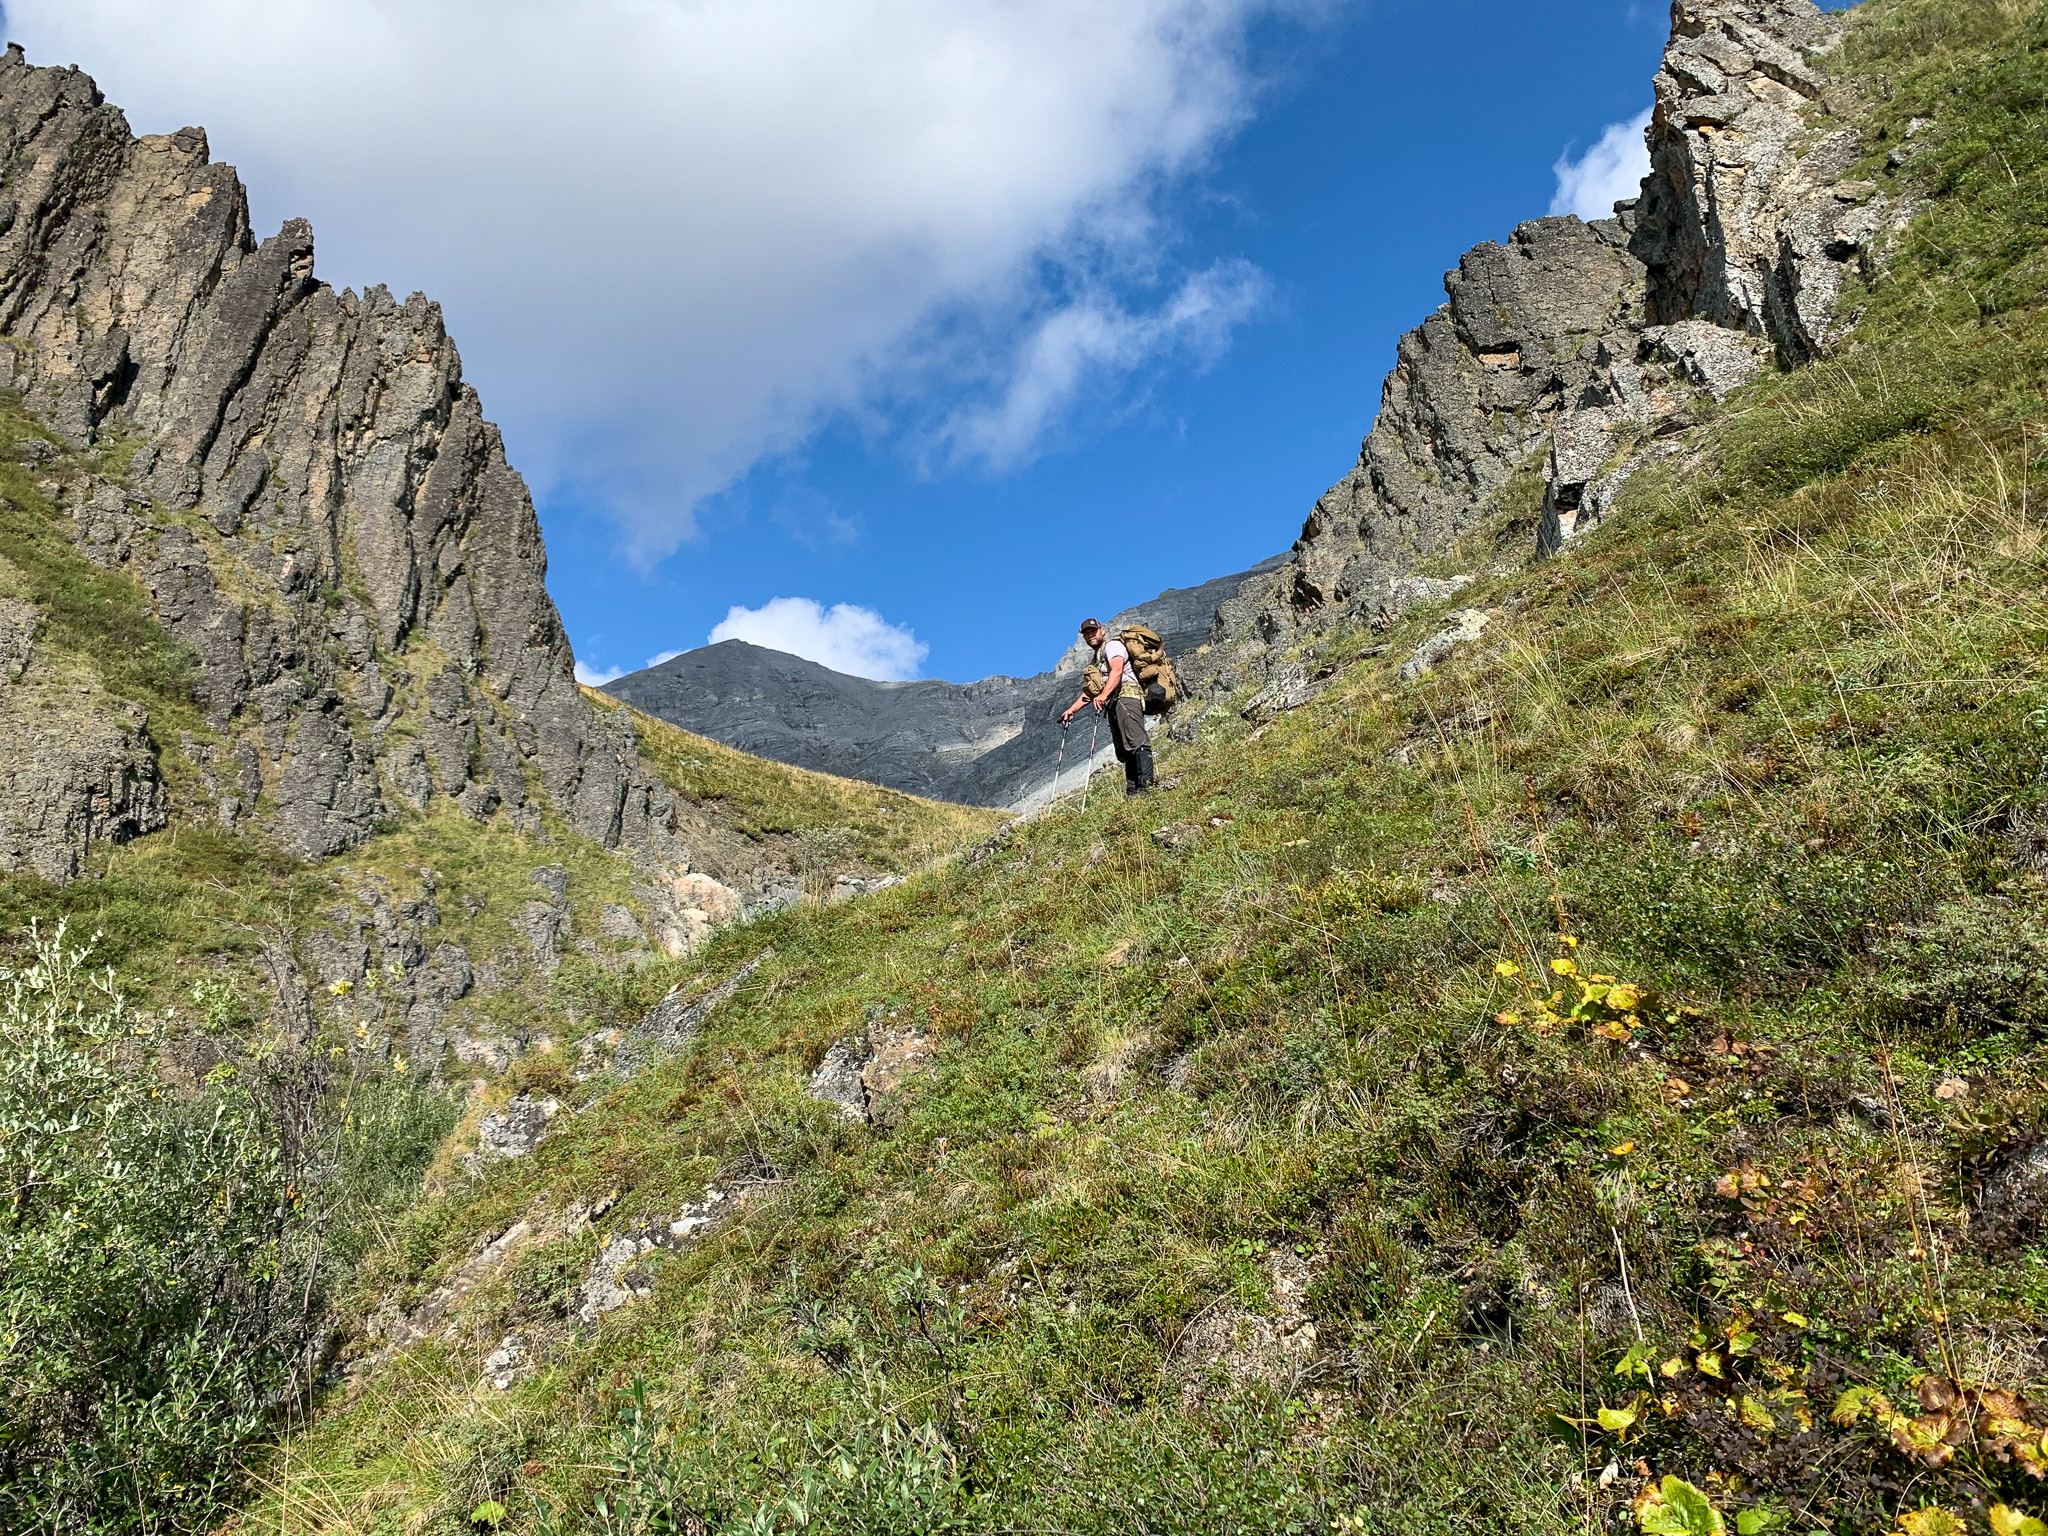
{"x": 1464, "y": 625}
{"x": 516, "y": 1130}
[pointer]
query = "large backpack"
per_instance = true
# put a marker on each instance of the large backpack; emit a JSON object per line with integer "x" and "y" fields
{"x": 1153, "y": 666}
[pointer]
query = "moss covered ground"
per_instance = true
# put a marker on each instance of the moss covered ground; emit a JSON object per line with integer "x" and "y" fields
{"x": 1596, "y": 1085}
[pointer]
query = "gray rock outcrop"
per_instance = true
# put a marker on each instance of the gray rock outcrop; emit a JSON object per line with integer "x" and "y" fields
{"x": 315, "y": 502}
{"x": 1574, "y": 349}
{"x": 863, "y": 1075}
{"x": 75, "y": 770}
{"x": 516, "y": 1130}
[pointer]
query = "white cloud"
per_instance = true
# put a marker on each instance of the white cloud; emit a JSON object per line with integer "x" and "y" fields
{"x": 1084, "y": 343}
{"x": 842, "y": 637}
{"x": 673, "y": 236}
{"x": 591, "y": 677}
{"x": 1610, "y": 172}
{"x": 660, "y": 656}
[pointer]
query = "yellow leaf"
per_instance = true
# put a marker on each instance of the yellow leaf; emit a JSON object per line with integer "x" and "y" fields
{"x": 2007, "y": 1521}
{"x": 1507, "y": 1018}
{"x": 1623, "y": 1150}
{"x": 1623, "y": 999}
{"x": 1931, "y": 1521}
{"x": 1853, "y": 1404}
{"x": 1568, "y": 941}
{"x": 1565, "y": 967}
{"x": 1506, "y": 968}
{"x": 1710, "y": 1364}
{"x": 1616, "y": 1420}
{"x": 1756, "y": 1415}
{"x": 1794, "y": 1318}
{"x": 1674, "y": 1367}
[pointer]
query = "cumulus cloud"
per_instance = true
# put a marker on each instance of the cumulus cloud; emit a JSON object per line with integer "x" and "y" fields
{"x": 1608, "y": 173}
{"x": 592, "y": 677}
{"x": 674, "y": 236}
{"x": 842, "y": 637}
{"x": 1096, "y": 340}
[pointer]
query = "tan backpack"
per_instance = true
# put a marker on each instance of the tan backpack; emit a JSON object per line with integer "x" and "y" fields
{"x": 1153, "y": 666}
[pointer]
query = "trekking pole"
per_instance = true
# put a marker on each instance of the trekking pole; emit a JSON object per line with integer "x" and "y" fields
{"x": 1088, "y": 773}
{"x": 1059, "y": 763}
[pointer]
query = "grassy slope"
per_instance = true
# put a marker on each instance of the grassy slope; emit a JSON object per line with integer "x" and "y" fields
{"x": 887, "y": 829}
{"x": 1768, "y": 748}
{"x": 185, "y": 918}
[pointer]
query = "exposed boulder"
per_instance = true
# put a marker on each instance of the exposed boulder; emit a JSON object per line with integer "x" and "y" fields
{"x": 516, "y": 1130}
{"x": 619, "y": 1275}
{"x": 863, "y": 1075}
{"x": 1460, "y": 628}
{"x": 671, "y": 1025}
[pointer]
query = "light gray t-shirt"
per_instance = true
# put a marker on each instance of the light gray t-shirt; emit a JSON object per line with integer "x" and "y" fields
{"x": 1105, "y": 657}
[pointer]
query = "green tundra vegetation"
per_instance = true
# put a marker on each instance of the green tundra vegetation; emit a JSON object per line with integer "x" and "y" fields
{"x": 1594, "y": 1085}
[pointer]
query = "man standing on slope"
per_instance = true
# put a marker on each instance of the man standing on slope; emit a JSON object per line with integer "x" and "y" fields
{"x": 1122, "y": 699}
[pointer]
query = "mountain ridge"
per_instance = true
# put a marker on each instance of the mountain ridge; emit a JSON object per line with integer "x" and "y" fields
{"x": 995, "y": 741}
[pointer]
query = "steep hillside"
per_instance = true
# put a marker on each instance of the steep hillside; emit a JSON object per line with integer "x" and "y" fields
{"x": 1569, "y": 1062}
{"x": 992, "y": 742}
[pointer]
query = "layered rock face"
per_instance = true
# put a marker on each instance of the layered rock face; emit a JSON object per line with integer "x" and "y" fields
{"x": 75, "y": 769}
{"x": 994, "y": 742}
{"x": 1574, "y": 350}
{"x": 314, "y": 503}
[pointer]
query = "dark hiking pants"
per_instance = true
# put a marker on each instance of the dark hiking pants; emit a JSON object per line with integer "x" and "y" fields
{"x": 1127, "y": 734}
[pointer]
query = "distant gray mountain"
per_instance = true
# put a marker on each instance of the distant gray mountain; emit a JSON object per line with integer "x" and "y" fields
{"x": 994, "y": 742}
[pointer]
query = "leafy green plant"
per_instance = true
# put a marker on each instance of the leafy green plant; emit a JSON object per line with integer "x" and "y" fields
{"x": 164, "y": 1256}
{"x": 151, "y": 1291}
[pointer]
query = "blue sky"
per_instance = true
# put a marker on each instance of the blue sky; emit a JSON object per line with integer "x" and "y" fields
{"x": 958, "y": 317}
{"x": 1387, "y": 144}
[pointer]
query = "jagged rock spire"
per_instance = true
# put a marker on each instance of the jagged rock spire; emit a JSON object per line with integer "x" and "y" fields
{"x": 317, "y": 505}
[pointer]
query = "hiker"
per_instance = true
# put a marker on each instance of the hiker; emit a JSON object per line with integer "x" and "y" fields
{"x": 1122, "y": 699}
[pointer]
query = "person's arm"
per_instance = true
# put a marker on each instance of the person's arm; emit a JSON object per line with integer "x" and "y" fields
{"x": 1074, "y": 708}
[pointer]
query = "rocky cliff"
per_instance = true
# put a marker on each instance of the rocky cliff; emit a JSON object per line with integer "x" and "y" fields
{"x": 993, "y": 742}
{"x": 1573, "y": 352}
{"x": 308, "y": 493}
